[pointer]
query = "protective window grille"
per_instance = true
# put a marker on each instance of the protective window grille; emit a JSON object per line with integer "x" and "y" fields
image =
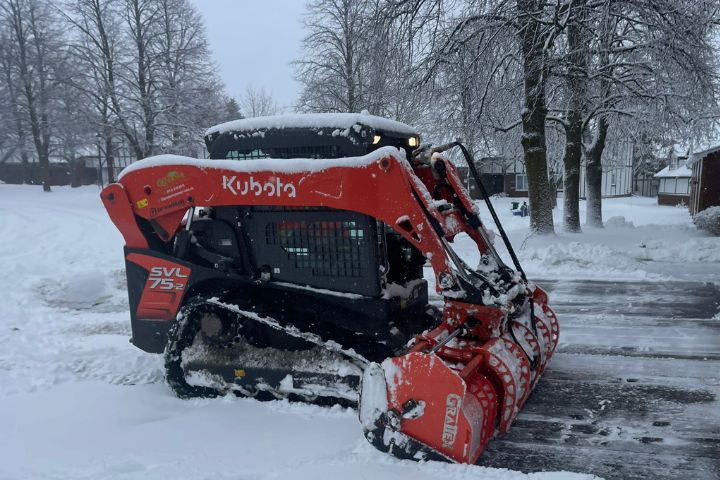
{"x": 326, "y": 248}
{"x": 251, "y": 155}
{"x": 318, "y": 151}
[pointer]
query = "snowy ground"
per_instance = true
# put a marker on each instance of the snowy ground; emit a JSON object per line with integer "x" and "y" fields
{"x": 641, "y": 241}
{"x": 78, "y": 401}
{"x": 633, "y": 390}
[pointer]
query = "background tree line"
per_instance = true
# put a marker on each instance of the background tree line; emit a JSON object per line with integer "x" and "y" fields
{"x": 553, "y": 83}
{"x": 109, "y": 78}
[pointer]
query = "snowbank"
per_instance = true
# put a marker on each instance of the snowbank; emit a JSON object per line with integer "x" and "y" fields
{"x": 641, "y": 241}
{"x": 709, "y": 220}
{"x": 78, "y": 401}
{"x": 99, "y": 431}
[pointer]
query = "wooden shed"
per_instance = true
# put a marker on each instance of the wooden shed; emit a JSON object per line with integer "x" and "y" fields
{"x": 705, "y": 180}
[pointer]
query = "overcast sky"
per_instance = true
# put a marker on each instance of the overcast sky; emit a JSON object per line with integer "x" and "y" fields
{"x": 253, "y": 43}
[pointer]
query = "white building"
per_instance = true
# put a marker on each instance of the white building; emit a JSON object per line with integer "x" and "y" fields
{"x": 674, "y": 182}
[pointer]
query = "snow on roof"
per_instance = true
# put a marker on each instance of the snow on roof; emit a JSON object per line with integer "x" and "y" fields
{"x": 703, "y": 153}
{"x": 279, "y": 165}
{"x": 314, "y": 120}
{"x": 681, "y": 171}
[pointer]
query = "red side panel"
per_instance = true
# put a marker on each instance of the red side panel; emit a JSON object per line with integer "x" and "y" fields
{"x": 164, "y": 288}
{"x": 162, "y": 194}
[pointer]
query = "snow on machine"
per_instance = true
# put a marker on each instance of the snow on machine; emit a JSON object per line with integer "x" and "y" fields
{"x": 290, "y": 265}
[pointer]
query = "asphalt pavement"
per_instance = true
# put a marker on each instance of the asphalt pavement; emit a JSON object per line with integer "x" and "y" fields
{"x": 633, "y": 390}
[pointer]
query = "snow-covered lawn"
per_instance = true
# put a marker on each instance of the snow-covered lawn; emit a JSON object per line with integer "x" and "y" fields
{"x": 641, "y": 240}
{"x": 78, "y": 401}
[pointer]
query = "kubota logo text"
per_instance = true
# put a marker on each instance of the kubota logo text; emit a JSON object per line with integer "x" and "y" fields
{"x": 167, "y": 278}
{"x": 271, "y": 188}
{"x": 452, "y": 413}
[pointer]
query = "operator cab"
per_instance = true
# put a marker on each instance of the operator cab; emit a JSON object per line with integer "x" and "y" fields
{"x": 347, "y": 255}
{"x": 314, "y": 135}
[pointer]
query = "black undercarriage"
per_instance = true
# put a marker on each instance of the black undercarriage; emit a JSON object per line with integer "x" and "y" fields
{"x": 347, "y": 278}
{"x": 340, "y": 275}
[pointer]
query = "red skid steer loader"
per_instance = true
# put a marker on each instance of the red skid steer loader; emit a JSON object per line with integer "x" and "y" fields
{"x": 290, "y": 265}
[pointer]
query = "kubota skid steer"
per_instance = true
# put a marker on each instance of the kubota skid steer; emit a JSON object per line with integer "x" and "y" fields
{"x": 273, "y": 277}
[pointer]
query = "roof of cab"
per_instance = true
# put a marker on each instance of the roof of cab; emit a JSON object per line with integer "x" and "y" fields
{"x": 340, "y": 121}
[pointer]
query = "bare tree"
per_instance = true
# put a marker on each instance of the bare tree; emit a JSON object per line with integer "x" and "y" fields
{"x": 257, "y": 102}
{"x": 334, "y": 67}
{"x": 139, "y": 121}
{"x": 96, "y": 52}
{"x": 536, "y": 39}
{"x": 527, "y": 29}
{"x": 651, "y": 63}
{"x": 573, "y": 67}
{"x": 12, "y": 126}
{"x": 190, "y": 95}
{"x": 148, "y": 74}
{"x": 36, "y": 53}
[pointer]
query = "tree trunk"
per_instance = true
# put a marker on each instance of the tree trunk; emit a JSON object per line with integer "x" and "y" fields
{"x": 571, "y": 183}
{"x": 35, "y": 96}
{"x": 577, "y": 90}
{"x": 349, "y": 58}
{"x": 109, "y": 158}
{"x": 44, "y": 161}
{"x": 76, "y": 173}
{"x": 593, "y": 175}
{"x": 144, "y": 81}
{"x": 533, "y": 118}
{"x": 107, "y": 134}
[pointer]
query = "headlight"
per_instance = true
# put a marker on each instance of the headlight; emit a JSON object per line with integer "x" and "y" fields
{"x": 413, "y": 141}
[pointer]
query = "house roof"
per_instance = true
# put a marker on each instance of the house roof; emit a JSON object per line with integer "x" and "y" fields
{"x": 703, "y": 153}
{"x": 681, "y": 171}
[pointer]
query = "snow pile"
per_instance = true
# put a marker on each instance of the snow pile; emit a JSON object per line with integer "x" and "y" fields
{"x": 97, "y": 431}
{"x": 709, "y": 220}
{"x": 64, "y": 309}
{"x": 618, "y": 222}
{"x": 86, "y": 290}
{"x": 77, "y": 400}
{"x": 641, "y": 241}
{"x": 571, "y": 259}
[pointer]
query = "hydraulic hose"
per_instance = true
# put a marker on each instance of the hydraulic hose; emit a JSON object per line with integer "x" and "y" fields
{"x": 478, "y": 181}
{"x": 424, "y": 154}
